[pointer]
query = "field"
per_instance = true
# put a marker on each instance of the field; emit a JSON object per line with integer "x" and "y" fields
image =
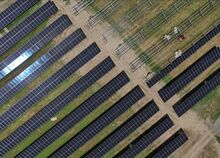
{"x": 116, "y": 29}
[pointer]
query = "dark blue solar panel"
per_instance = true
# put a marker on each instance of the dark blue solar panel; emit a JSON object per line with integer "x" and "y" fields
{"x": 197, "y": 93}
{"x": 123, "y": 131}
{"x": 75, "y": 116}
{"x": 189, "y": 74}
{"x": 34, "y": 45}
{"x": 28, "y": 25}
{"x": 41, "y": 91}
{"x": 145, "y": 139}
{"x": 169, "y": 146}
{"x": 100, "y": 123}
{"x": 34, "y": 70}
{"x": 57, "y": 104}
{"x": 14, "y": 11}
{"x": 184, "y": 56}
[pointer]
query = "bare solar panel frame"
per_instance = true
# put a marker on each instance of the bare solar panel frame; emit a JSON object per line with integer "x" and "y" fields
{"x": 56, "y": 105}
{"x": 28, "y": 25}
{"x": 47, "y": 86}
{"x": 199, "y": 92}
{"x": 207, "y": 37}
{"x": 123, "y": 131}
{"x": 35, "y": 69}
{"x": 145, "y": 139}
{"x": 34, "y": 45}
{"x": 100, "y": 123}
{"x": 14, "y": 11}
{"x": 189, "y": 74}
{"x": 75, "y": 116}
{"x": 169, "y": 146}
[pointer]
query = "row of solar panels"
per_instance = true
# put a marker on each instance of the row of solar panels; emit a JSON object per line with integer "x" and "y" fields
{"x": 207, "y": 37}
{"x": 28, "y": 25}
{"x": 184, "y": 78}
{"x": 14, "y": 11}
{"x": 189, "y": 74}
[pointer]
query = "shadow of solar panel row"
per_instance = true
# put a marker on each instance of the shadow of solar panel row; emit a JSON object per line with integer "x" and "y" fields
{"x": 34, "y": 70}
{"x": 100, "y": 123}
{"x": 43, "y": 90}
{"x": 34, "y": 45}
{"x": 184, "y": 56}
{"x": 14, "y": 11}
{"x": 123, "y": 131}
{"x": 57, "y": 104}
{"x": 76, "y": 116}
{"x": 189, "y": 74}
{"x": 197, "y": 93}
{"x": 145, "y": 139}
{"x": 169, "y": 146}
{"x": 28, "y": 25}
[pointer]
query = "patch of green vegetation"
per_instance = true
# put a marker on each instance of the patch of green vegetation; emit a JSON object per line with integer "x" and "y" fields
{"x": 218, "y": 139}
{"x": 209, "y": 107}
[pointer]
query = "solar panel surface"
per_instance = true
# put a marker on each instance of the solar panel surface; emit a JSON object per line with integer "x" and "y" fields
{"x": 184, "y": 56}
{"x": 42, "y": 90}
{"x": 76, "y": 116}
{"x": 123, "y": 131}
{"x": 56, "y": 105}
{"x": 34, "y": 45}
{"x": 189, "y": 74}
{"x": 145, "y": 139}
{"x": 28, "y": 25}
{"x": 99, "y": 123}
{"x": 197, "y": 93}
{"x": 169, "y": 146}
{"x": 34, "y": 70}
{"x": 14, "y": 11}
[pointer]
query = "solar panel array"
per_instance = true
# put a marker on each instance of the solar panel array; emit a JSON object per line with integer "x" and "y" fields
{"x": 184, "y": 56}
{"x": 197, "y": 93}
{"x": 100, "y": 123}
{"x": 34, "y": 70}
{"x": 42, "y": 90}
{"x": 169, "y": 146}
{"x": 76, "y": 116}
{"x": 123, "y": 131}
{"x": 145, "y": 139}
{"x": 28, "y": 25}
{"x": 189, "y": 74}
{"x": 57, "y": 104}
{"x": 34, "y": 45}
{"x": 14, "y": 11}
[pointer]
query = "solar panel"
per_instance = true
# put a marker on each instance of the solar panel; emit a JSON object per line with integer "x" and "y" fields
{"x": 34, "y": 45}
{"x": 123, "y": 130}
{"x": 28, "y": 25}
{"x": 184, "y": 56}
{"x": 189, "y": 74}
{"x": 145, "y": 139}
{"x": 43, "y": 90}
{"x": 100, "y": 123}
{"x": 57, "y": 104}
{"x": 34, "y": 70}
{"x": 14, "y": 11}
{"x": 169, "y": 146}
{"x": 75, "y": 116}
{"x": 197, "y": 93}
